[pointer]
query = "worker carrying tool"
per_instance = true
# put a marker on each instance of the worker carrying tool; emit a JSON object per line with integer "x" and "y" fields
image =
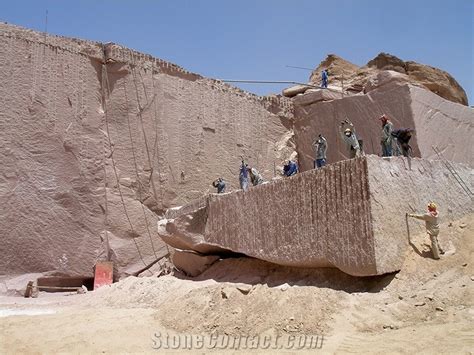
{"x": 432, "y": 227}
{"x": 348, "y": 135}
{"x": 255, "y": 177}
{"x": 324, "y": 78}
{"x": 244, "y": 176}
{"x": 320, "y": 147}
{"x": 220, "y": 185}
{"x": 386, "y": 138}
{"x": 402, "y": 138}
{"x": 290, "y": 168}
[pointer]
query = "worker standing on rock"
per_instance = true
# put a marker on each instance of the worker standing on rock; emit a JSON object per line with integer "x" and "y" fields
{"x": 324, "y": 79}
{"x": 255, "y": 177}
{"x": 432, "y": 227}
{"x": 320, "y": 146}
{"x": 220, "y": 185}
{"x": 386, "y": 139}
{"x": 244, "y": 176}
{"x": 290, "y": 168}
{"x": 402, "y": 138}
{"x": 349, "y": 136}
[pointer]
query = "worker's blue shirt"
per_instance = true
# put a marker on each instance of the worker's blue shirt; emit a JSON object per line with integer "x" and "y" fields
{"x": 290, "y": 169}
{"x": 220, "y": 187}
{"x": 243, "y": 171}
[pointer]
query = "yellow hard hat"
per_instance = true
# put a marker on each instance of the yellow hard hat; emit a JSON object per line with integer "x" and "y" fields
{"x": 347, "y": 130}
{"x": 432, "y": 206}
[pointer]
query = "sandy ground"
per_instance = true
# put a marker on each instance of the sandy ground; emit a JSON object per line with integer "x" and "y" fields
{"x": 427, "y": 308}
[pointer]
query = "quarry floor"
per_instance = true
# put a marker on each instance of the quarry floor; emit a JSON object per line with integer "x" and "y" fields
{"x": 427, "y": 308}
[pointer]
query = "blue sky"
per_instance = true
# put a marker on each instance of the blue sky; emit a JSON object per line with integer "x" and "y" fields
{"x": 256, "y": 39}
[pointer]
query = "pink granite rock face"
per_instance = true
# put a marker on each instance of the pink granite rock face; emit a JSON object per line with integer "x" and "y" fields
{"x": 97, "y": 141}
{"x": 349, "y": 215}
{"x": 437, "y": 122}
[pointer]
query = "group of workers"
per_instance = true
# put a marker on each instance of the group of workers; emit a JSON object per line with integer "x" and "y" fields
{"x": 247, "y": 173}
{"x": 400, "y": 136}
{"x": 247, "y": 176}
{"x": 393, "y": 142}
{"x": 390, "y": 137}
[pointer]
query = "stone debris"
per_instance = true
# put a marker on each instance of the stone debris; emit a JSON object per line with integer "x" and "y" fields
{"x": 244, "y": 289}
{"x": 227, "y": 292}
{"x": 192, "y": 263}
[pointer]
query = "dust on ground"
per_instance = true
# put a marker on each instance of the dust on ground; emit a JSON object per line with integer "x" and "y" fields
{"x": 426, "y": 307}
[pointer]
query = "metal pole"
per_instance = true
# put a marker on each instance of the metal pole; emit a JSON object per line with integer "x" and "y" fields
{"x": 290, "y": 66}
{"x": 266, "y": 82}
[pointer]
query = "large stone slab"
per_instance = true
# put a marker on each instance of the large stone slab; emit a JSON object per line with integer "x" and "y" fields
{"x": 349, "y": 215}
{"x": 437, "y": 122}
{"x": 312, "y": 96}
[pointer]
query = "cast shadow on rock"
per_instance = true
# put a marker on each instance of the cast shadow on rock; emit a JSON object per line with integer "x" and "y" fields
{"x": 245, "y": 270}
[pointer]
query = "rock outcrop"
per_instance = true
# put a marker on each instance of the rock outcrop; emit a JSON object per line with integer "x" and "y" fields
{"x": 437, "y": 122}
{"x": 355, "y": 79}
{"x": 349, "y": 215}
{"x": 97, "y": 141}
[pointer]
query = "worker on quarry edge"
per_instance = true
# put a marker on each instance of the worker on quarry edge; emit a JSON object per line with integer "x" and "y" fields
{"x": 324, "y": 78}
{"x": 386, "y": 138}
{"x": 432, "y": 227}
{"x": 320, "y": 146}
{"x": 349, "y": 136}
{"x": 290, "y": 168}
{"x": 244, "y": 176}
{"x": 401, "y": 139}
{"x": 220, "y": 184}
{"x": 255, "y": 177}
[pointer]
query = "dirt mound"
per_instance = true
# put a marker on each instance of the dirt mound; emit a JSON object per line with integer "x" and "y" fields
{"x": 255, "y": 296}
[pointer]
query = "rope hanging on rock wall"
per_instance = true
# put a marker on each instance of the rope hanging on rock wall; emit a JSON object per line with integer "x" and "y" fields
{"x": 105, "y": 85}
{"x": 140, "y": 187}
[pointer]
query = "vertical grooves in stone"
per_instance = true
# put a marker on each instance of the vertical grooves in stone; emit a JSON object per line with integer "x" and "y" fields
{"x": 317, "y": 218}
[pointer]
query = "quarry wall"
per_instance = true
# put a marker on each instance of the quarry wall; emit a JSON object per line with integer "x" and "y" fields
{"x": 98, "y": 138}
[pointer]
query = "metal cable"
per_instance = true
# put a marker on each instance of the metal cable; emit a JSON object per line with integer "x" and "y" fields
{"x": 105, "y": 80}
